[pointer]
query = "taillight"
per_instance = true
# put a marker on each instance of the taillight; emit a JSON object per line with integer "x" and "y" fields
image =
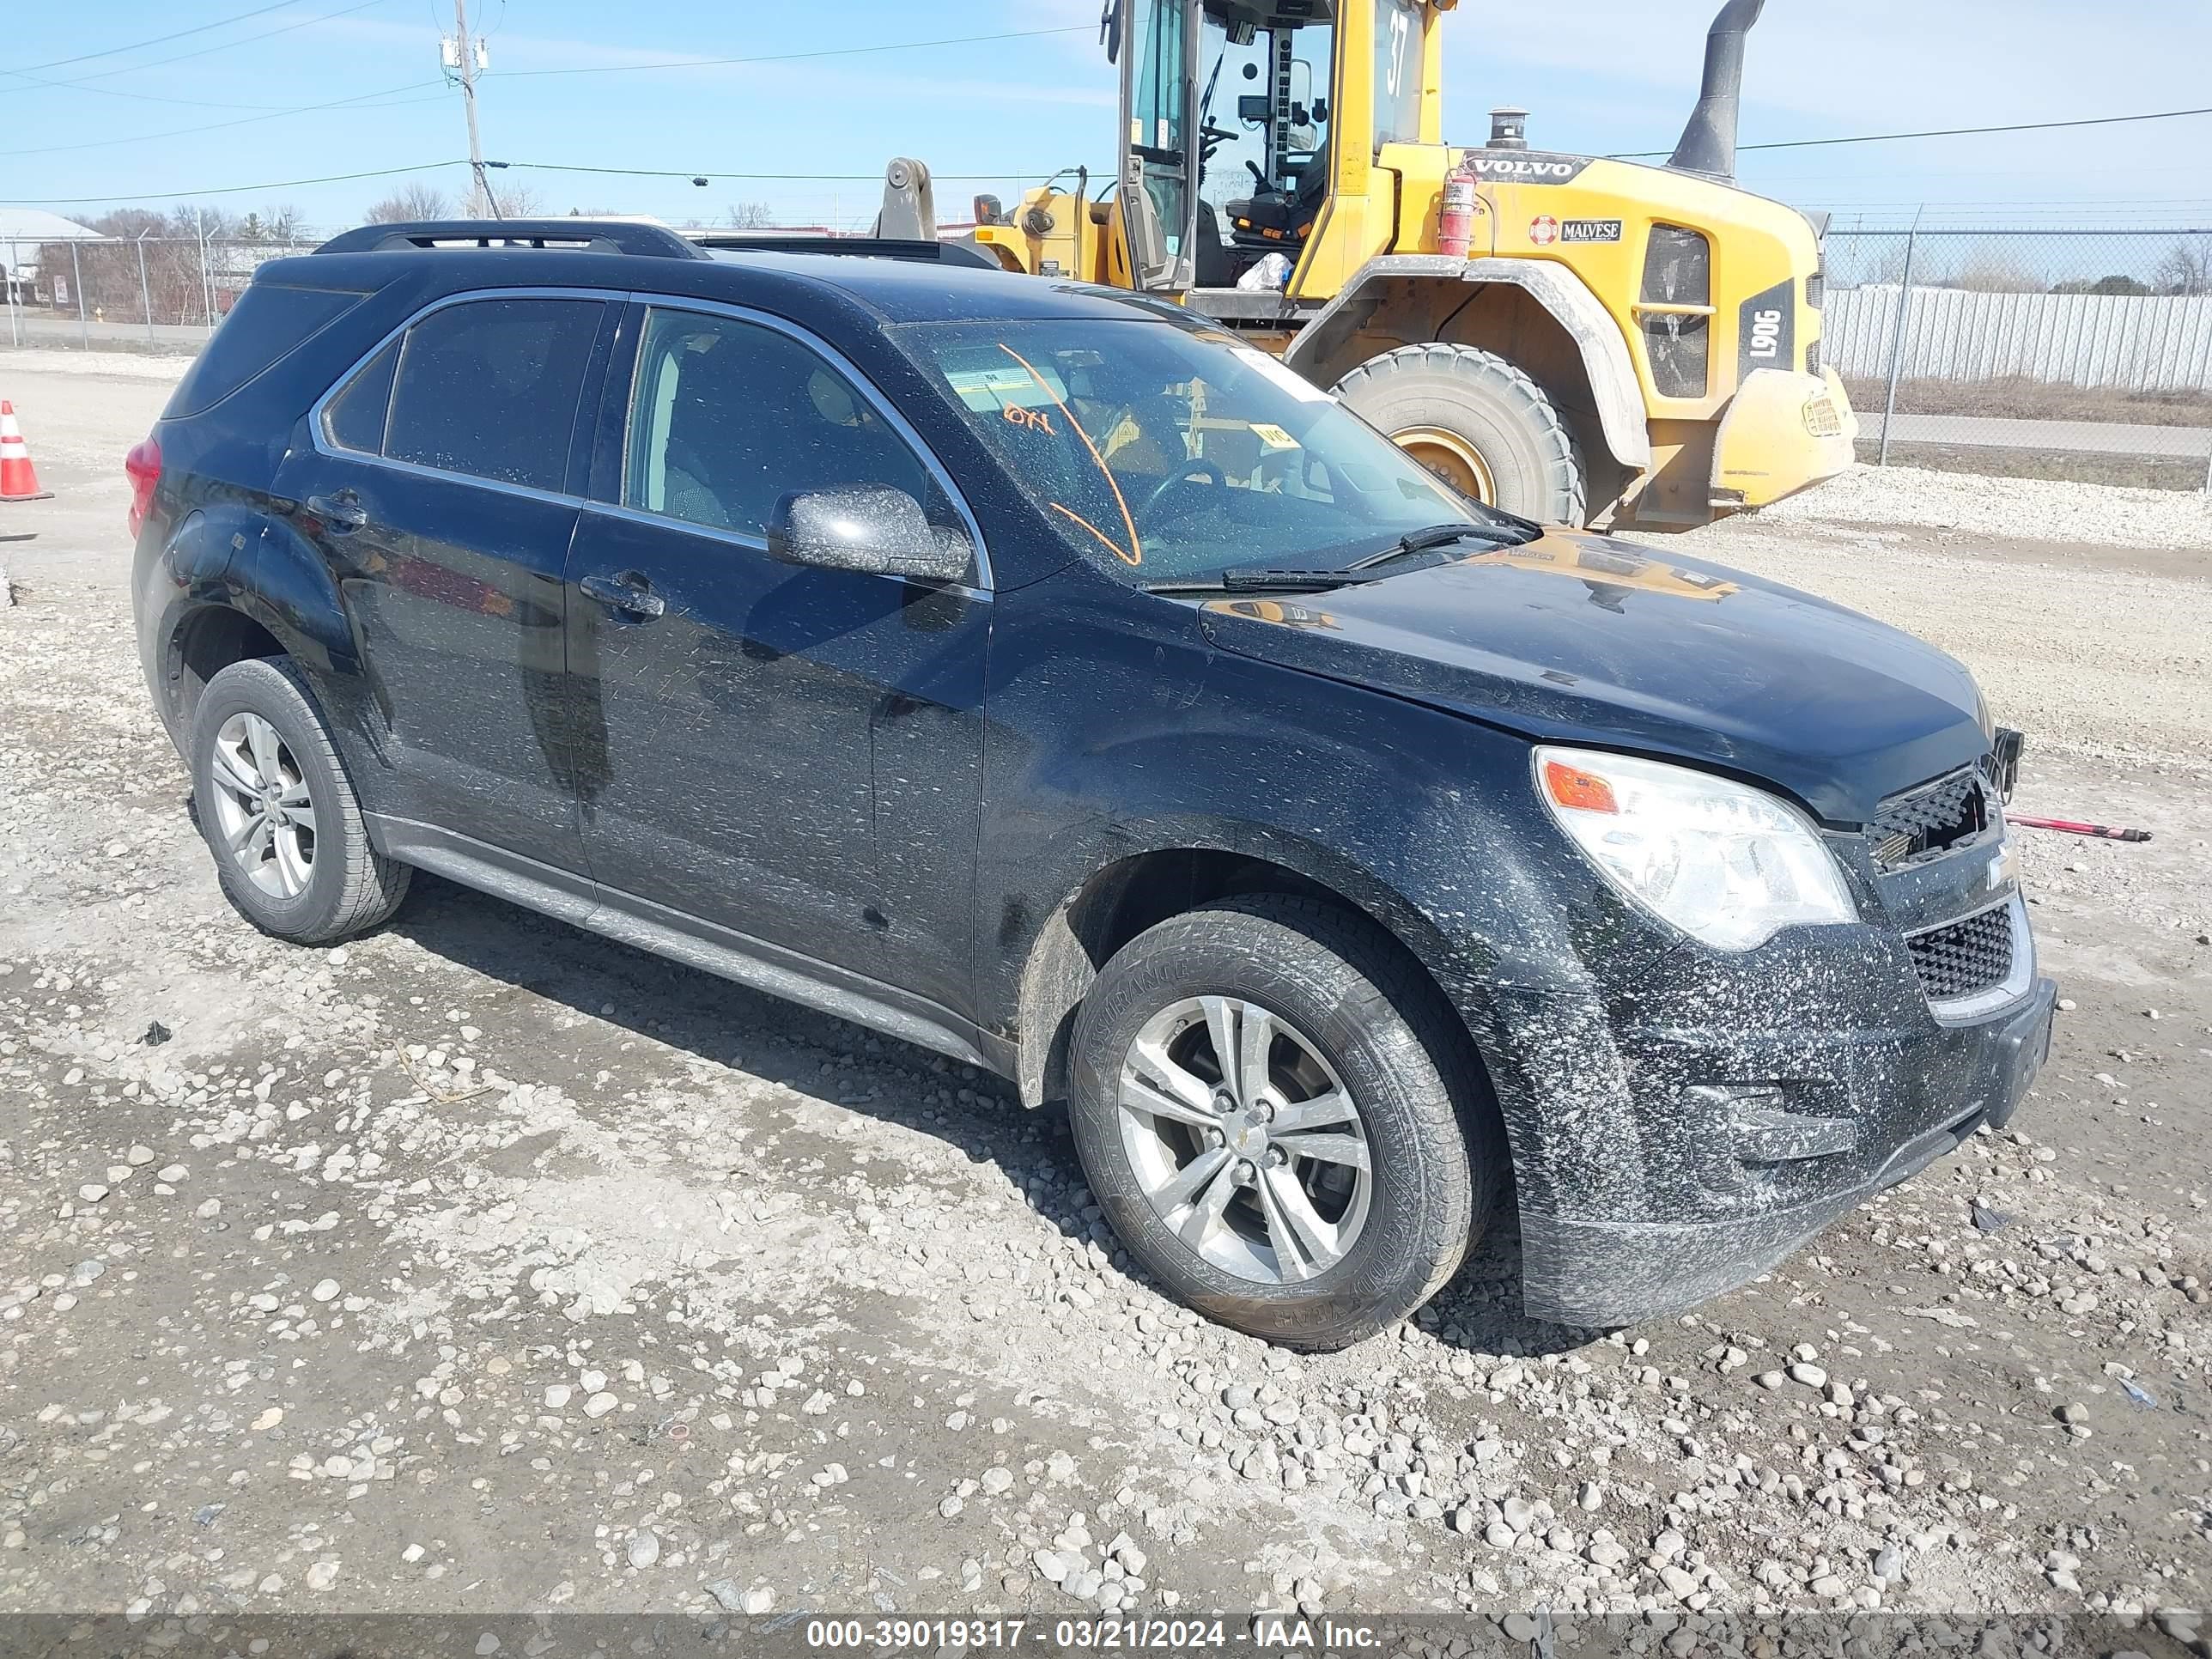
{"x": 143, "y": 465}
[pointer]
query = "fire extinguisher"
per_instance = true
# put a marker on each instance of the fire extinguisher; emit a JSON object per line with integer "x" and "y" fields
{"x": 1456, "y": 224}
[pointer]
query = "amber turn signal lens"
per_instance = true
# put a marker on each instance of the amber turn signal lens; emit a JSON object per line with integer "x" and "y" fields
{"x": 1586, "y": 792}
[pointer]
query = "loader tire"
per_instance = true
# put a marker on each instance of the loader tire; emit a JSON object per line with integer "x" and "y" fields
{"x": 1479, "y": 423}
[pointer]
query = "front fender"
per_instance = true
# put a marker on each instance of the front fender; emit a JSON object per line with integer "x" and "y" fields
{"x": 1425, "y": 821}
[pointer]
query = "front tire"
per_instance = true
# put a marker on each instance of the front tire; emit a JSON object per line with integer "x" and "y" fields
{"x": 1479, "y": 423}
{"x": 279, "y": 813}
{"x": 1317, "y": 1187}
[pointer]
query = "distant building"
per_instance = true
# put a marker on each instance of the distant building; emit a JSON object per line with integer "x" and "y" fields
{"x": 23, "y": 232}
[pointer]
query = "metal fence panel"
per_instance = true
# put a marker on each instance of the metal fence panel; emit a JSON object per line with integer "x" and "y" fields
{"x": 2057, "y": 353}
{"x": 154, "y": 293}
{"x": 2156, "y": 342}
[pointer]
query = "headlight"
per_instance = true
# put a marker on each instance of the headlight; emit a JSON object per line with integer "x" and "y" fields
{"x": 1725, "y": 863}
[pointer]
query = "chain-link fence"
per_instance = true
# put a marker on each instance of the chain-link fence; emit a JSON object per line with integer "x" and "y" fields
{"x": 146, "y": 293}
{"x": 2077, "y": 354}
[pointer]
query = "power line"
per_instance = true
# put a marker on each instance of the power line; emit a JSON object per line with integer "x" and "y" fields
{"x": 793, "y": 57}
{"x": 83, "y": 83}
{"x": 1939, "y": 132}
{"x": 218, "y": 126}
{"x": 712, "y": 174}
{"x": 228, "y": 190}
{"x": 160, "y": 40}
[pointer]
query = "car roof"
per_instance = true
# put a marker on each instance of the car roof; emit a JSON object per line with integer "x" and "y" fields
{"x": 920, "y": 291}
{"x": 804, "y": 286}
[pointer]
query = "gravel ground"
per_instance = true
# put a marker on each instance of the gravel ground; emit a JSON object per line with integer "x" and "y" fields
{"x": 482, "y": 1266}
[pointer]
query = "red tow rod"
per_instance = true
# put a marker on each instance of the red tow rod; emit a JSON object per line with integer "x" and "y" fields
{"x": 2067, "y": 826}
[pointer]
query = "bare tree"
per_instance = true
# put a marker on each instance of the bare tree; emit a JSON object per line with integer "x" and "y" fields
{"x": 517, "y": 201}
{"x": 2185, "y": 268}
{"x": 277, "y": 224}
{"x": 416, "y": 201}
{"x": 749, "y": 215}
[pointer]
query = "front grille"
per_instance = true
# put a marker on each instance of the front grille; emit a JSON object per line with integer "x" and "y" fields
{"x": 1964, "y": 957}
{"x": 1930, "y": 819}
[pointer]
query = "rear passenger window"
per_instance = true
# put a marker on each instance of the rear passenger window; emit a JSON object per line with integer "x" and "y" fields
{"x": 489, "y": 387}
{"x": 268, "y": 322}
{"x": 355, "y": 419}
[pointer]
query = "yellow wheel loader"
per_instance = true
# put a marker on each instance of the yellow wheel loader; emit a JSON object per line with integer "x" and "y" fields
{"x": 1577, "y": 340}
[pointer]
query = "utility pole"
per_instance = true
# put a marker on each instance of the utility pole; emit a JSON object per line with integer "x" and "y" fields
{"x": 481, "y": 205}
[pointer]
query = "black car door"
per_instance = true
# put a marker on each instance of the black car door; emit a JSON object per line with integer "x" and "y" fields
{"x": 791, "y": 754}
{"x": 437, "y": 486}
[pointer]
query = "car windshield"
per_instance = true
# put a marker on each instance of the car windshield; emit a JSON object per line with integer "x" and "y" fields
{"x": 1171, "y": 454}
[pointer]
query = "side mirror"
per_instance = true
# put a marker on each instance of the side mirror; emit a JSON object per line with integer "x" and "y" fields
{"x": 869, "y": 528}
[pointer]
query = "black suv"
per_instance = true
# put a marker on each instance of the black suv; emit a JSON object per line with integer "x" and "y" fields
{"x": 1053, "y": 680}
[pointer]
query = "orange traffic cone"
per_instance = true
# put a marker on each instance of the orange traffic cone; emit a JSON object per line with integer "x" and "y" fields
{"x": 19, "y": 479}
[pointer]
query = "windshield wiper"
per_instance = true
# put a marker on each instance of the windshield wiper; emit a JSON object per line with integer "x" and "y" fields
{"x": 1319, "y": 578}
{"x": 1512, "y": 534}
{"x": 1297, "y": 579}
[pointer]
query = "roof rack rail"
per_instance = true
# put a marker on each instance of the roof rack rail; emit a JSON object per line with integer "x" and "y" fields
{"x": 571, "y": 235}
{"x": 858, "y": 247}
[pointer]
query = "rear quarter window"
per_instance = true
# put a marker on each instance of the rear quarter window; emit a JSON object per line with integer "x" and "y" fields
{"x": 266, "y": 326}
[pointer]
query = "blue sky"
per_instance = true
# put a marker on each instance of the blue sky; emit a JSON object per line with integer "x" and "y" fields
{"x": 1599, "y": 74}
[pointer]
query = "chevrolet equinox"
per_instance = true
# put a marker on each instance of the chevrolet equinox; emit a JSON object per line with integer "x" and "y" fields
{"x": 1056, "y": 682}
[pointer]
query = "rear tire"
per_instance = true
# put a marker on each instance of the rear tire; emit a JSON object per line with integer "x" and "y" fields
{"x": 279, "y": 813}
{"x": 1477, "y": 423}
{"x": 1344, "y": 1018}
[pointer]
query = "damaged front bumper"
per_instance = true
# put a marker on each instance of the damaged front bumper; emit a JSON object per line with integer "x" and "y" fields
{"x": 1695, "y": 1155}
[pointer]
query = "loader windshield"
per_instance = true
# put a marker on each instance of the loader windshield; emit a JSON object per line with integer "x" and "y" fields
{"x": 1166, "y": 452}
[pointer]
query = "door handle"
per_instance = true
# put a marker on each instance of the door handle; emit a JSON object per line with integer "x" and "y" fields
{"x": 342, "y": 512}
{"x": 629, "y": 592}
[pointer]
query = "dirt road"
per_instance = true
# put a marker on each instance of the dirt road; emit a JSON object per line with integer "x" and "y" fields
{"x": 483, "y": 1265}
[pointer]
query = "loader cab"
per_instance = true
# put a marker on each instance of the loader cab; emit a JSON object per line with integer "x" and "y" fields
{"x": 1243, "y": 119}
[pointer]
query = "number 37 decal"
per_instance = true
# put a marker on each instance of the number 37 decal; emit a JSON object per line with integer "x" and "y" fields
{"x": 1402, "y": 29}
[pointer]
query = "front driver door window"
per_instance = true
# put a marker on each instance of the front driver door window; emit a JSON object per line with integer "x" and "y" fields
{"x": 740, "y": 773}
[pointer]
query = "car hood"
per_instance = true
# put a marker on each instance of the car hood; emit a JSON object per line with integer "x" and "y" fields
{"x": 1578, "y": 637}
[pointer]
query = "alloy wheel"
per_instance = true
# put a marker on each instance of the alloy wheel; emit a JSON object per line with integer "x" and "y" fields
{"x": 264, "y": 815}
{"x": 1244, "y": 1141}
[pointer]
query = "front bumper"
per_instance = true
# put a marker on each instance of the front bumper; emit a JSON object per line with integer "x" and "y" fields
{"x": 1693, "y": 1158}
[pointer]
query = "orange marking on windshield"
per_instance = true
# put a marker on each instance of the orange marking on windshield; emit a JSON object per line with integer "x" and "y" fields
{"x": 1094, "y": 529}
{"x": 1033, "y": 419}
{"x": 1136, "y": 552}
